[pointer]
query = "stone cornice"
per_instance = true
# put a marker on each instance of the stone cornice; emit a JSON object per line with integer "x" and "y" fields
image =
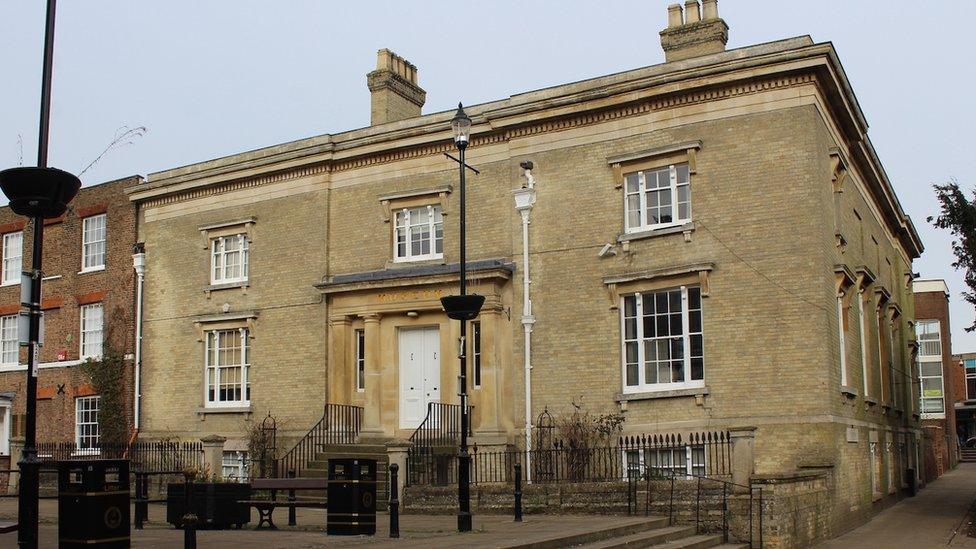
{"x": 743, "y": 71}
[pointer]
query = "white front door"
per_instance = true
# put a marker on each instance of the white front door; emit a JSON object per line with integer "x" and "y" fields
{"x": 420, "y": 374}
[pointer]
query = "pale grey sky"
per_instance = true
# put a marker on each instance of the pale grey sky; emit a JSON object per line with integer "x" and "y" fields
{"x": 219, "y": 77}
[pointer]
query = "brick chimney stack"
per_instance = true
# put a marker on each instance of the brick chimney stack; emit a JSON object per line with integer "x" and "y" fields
{"x": 393, "y": 89}
{"x": 695, "y": 32}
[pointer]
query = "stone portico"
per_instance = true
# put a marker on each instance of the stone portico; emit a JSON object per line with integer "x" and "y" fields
{"x": 372, "y": 316}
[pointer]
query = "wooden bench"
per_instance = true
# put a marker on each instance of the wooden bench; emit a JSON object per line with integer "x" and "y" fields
{"x": 266, "y": 507}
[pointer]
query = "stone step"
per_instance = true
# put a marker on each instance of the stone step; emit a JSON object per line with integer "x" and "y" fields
{"x": 700, "y": 541}
{"x": 597, "y": 535}
{"x": 346, "y": 448}
{"x": 645, "y": 539}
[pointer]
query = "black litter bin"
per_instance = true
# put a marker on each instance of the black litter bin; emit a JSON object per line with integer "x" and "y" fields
{"x": 352, "y": 497}
{"x": 93, "y": 503}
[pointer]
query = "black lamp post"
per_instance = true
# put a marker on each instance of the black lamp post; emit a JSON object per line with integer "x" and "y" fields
{"x": 463, "y": 308}
{"x": 37, "y": 193}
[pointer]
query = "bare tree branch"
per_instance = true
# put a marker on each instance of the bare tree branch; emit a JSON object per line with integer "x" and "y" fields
{"x": 123, "y": 136}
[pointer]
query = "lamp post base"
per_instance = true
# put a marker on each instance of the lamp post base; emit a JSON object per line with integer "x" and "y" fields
{"x": 464, "y": 491}
{"x": 27, "y": 504}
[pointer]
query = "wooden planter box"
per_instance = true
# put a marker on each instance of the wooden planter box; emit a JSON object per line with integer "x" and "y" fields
{"x": 214, "y": 504}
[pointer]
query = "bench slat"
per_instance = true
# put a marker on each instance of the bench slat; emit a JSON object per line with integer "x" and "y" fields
{"x": 289, "y": 484}
{"x": 281, "y": 503}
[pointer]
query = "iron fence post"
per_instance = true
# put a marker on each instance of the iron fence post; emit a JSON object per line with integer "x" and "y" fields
{"x": 394, "y": 502}
{"x": 518, "y": 492}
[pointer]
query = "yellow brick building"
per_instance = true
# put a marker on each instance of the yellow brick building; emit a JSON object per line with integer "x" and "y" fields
{"x": 714, "y": 244}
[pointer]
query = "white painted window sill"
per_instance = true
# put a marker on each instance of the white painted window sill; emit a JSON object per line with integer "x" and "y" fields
{"x": 227, "y": 285}
{"x": 92, "y": 270}
{"x": 658, "y": 231}
{"x": 416, "y": 260}
{"x": 243, "y": 408}
{"x": 10, "y": 283}
{"x": 700, "y": 390}
{"x": 23, "y": 367}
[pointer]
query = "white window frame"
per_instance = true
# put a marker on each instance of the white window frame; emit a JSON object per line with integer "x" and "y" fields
{"x": 9, "y": 341}
{"x": 234, "y": 466}
{"x": 218, "y": 258}
{"x": 402, "y": 225}
{"x": 211, "y": 337}
{"x": 642, "y": 386}
{"x": 92, "y": 340}
{"x": 929, "y": 359}
{"x": 87, "y": 441}
{"x": 13, "y": 263}
{"x": 360, "y": 342}
{"x": 642, "y": 192}
{"x": 95, "y": 239}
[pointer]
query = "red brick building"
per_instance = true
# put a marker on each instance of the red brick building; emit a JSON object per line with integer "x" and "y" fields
{"x": 88, "y": 302}
{"x": 938, "y": 372}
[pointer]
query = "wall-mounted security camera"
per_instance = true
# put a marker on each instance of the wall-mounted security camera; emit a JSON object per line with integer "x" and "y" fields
{"x": 526, "y": 165}
{"x": 606, "y": 251}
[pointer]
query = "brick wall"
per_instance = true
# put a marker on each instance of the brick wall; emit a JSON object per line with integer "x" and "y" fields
{"x": 60, "y": 380}
{"x": 942, "y": 442}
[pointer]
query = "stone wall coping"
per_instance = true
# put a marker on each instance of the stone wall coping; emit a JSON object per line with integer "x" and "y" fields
{"x": 213, "y": 439}
{"x": 398, "y": 443}
{"x": 788, "y": 478}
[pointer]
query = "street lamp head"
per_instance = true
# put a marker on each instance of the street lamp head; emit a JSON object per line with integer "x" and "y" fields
{"x": 461, "y": 125}
{"x": 39, "y": 192}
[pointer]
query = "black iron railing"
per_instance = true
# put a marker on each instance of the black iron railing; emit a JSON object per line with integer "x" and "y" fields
{"x": 340, "y": 424}
{"x": 713, "y": 505}
{"x": 146, "y": 456}
{"x": 432, "y": 458}
{"x": 706, "y": 454}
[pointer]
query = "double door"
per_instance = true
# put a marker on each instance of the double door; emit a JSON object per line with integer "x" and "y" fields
{"x": 420, "y": 373}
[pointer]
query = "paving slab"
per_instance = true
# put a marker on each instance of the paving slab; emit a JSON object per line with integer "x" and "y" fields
{"x": 936, "y": 517}
{"x": 417, "y": 531}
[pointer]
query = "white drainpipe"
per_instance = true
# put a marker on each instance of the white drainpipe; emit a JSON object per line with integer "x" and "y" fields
{"x": 524, "y": 200}
{"x": 139, "y": 264}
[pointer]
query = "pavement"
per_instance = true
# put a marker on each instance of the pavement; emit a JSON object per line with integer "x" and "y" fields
{"x": 416, "y": 531}
{"x": 936, "y": 517}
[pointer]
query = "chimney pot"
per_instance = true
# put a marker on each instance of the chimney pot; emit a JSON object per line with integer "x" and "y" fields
{"x": 696, "y": 36}
{"x": 675, "y": 18}
{"x": 709, "y": 10}
{"x": 692, "y": 12}
{"x": 393, "y": 88}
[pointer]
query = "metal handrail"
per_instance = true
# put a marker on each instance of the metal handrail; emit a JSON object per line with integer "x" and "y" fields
{"x": 340, "y": 424}
{"x": 701, "y": 526}
{"x": 440, "y": 428}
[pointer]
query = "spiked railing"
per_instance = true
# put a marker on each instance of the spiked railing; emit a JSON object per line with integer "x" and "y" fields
{"x": 707, "y": 454}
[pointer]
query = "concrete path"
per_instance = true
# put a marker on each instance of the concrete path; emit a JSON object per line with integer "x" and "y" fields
{"x": 936, "y": 517}
{"x": 417, "y": 531}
